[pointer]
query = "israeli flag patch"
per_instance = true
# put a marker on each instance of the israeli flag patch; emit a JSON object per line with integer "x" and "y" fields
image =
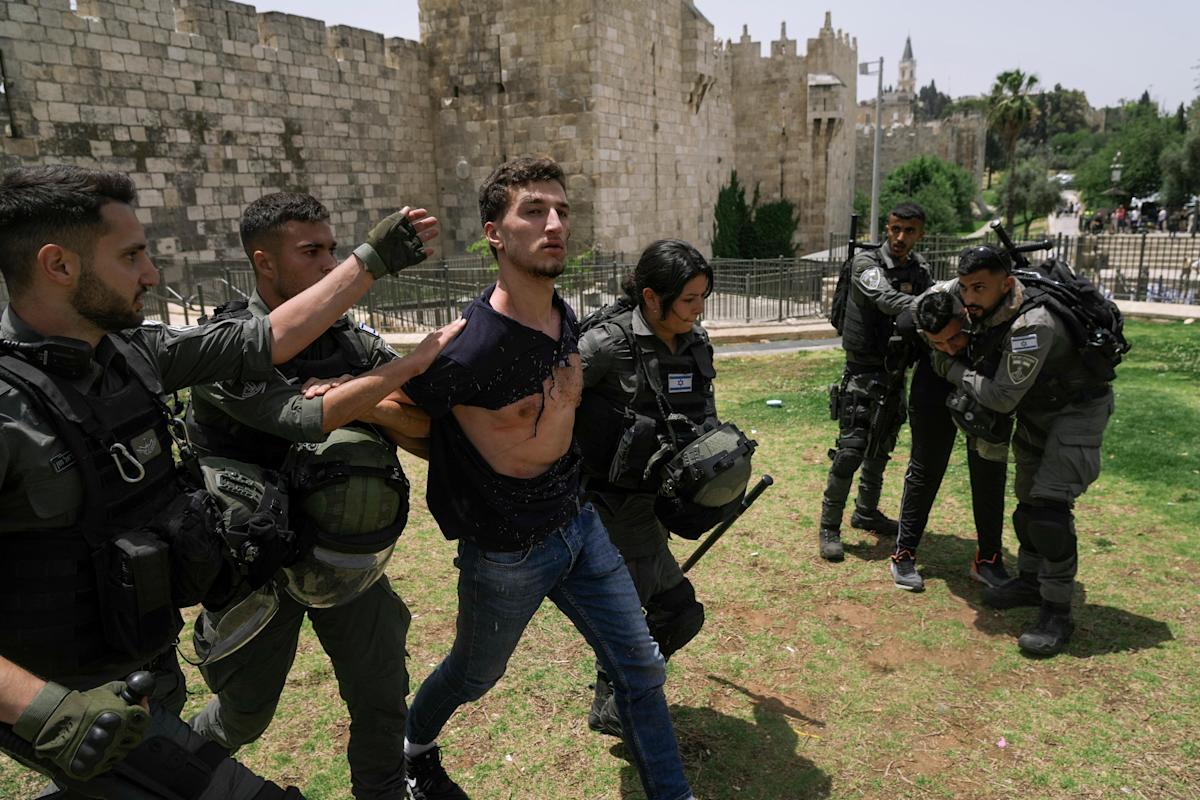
{"x": 679, "y": 382}
{"x": 1022, "y": 343}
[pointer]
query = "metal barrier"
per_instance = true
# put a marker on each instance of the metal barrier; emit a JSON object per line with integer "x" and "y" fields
{"x": 1148, "y": 267}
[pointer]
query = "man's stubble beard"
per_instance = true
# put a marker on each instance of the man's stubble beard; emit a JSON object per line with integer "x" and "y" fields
{"x": 96, "y": 302}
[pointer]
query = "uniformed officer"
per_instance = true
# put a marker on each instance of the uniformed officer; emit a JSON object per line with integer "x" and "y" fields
{"x": 933, "y": 433}
{"x": 669, "y": 372}
{"x": 289, "y": 241}
{"x": 869, "y": 402}
{"x": 1062, "y": 408}
{"x": 99, "y": 543}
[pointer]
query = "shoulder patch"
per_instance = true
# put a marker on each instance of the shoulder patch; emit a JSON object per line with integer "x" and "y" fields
{"x": 1020, "y": 367}
{"x": 1020, "y": 344}
{"x": 871, "y": 278}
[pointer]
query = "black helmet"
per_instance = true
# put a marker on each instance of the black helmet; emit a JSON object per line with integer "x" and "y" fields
{"x": 983, "y": 256}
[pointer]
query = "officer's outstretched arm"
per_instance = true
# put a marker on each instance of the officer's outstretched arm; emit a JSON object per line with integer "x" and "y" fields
{"x": 395, "y": 243}
{"x": 83, "y": 733}
{"x": 358, "y": 399}
{"x": 17, "y": 690}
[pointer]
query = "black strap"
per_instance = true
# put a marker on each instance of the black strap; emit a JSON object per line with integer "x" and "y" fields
{"x": 44, "y": 394}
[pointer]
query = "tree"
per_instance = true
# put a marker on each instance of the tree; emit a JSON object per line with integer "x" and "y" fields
{"x": 1180, "y": 163}
{"x": 775, "y": 226}
{"x": 754, "y": 229}
{"x": 731, "y": 220}
{"x": 1028, "y": 194}
{"x": 931, "y": 104}
{"x": 942, "y": 189}
{"x": 1141, "y": 136}
{"x": 1010, "y": 111}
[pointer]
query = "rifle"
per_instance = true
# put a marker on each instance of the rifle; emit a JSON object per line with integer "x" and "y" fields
{"x": 841, "y": 292}
{"x": 852, "y": 245}
{"x": 719, "y": 531}
{"x": 1017, "y": 253}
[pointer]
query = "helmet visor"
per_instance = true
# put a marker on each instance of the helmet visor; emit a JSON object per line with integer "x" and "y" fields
{"x": 325, "y": 578}
{"x": 217, "y": 634}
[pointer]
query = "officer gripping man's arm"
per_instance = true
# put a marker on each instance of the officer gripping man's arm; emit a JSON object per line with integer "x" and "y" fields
{"x": 347, "y": 503}
{"x": 1024, "y": 358}
{"x": 92, "y": 433}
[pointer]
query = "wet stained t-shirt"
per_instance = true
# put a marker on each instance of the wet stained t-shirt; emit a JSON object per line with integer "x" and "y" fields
{"x": 494, "y": 362}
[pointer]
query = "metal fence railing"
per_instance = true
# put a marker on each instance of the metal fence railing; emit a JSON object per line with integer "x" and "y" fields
{"x": 431, "y": 294}
{"x": 1148, "y": 267}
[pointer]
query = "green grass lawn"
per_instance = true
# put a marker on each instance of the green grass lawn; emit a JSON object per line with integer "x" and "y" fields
{"x": 815, "y": 680}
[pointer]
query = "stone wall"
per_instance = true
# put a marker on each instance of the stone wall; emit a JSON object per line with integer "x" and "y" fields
{"x": 960, "y": 140}
{"x": 209, "y": 105}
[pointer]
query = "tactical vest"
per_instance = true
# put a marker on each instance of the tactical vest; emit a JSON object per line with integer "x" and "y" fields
{"x": 53, "y": 606}
{"x": 866, "y": 330}
{"x": 683, "y": 378}
{"x": 619, "y": 435}
{"x": 1052, "y": 388}
{"x": 337, "y": 351}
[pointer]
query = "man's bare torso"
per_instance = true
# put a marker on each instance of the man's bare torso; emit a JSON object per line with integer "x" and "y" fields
{"x": 526, "y": 437}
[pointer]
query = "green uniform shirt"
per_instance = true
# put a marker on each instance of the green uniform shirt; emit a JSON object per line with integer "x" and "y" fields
{"x": 608, "y": 365}
{"x": 609, "y": 368}
{"x": 276, "y": 405}
{"x": 33, "y": 494}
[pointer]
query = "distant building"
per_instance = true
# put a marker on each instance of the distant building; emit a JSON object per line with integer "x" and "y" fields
{"x": 959, "y": 139}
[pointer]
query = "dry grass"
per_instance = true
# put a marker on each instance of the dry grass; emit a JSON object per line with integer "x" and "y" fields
{"x": 815, "y": 680}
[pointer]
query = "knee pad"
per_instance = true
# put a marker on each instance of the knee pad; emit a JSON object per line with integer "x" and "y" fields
{"x": 1051, "y": 528}
{"x": 846, "y": 461}
{"x": 674, "y": 617}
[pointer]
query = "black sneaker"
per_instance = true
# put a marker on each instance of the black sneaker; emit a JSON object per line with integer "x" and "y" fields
{"x": 989, "y": 571}
{"x": 831, "y": 544}
{"x": 875, "y": 521}
{"x": 1050, "y": 634}
{"x": 603, "y": 717}
{"x": 904, "y": 572}
{"x": 428, "y": 781}
{"x": 1021, "y": 591}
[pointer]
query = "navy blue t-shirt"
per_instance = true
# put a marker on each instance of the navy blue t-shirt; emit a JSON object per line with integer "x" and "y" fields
{"x": 494, "y": 362}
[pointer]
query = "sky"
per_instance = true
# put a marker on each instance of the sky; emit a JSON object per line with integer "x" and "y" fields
{"x": 1111, "y": 50}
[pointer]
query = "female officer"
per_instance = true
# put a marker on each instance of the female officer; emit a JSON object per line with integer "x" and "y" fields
{"x": 647, "y": 373}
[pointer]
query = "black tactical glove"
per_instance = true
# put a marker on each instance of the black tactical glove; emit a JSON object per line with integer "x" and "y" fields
{"x": 391, "y": 246}
{"x": 84, "y": 733}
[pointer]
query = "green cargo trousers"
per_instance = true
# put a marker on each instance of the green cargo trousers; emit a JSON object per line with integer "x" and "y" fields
{"x": 365, "y": 643}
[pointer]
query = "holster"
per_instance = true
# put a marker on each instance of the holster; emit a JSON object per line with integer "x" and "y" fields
{"x": 887, "y": 414}
{"x": 835, "y": 401}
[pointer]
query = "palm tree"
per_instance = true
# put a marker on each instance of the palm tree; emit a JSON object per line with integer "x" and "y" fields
{"x": 1010, "y": 111}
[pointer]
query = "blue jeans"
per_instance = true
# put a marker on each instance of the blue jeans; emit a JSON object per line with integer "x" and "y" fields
{"x": 581, "y": 571}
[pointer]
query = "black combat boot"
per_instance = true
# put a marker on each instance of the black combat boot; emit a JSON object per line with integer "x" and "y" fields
{"x": 1050, "y": 634}
{"x": 1020, "y": 591}
{"x": 831, "y": 544}
{"x": 603, "y": 717}
{"x": 873, "y": 520}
